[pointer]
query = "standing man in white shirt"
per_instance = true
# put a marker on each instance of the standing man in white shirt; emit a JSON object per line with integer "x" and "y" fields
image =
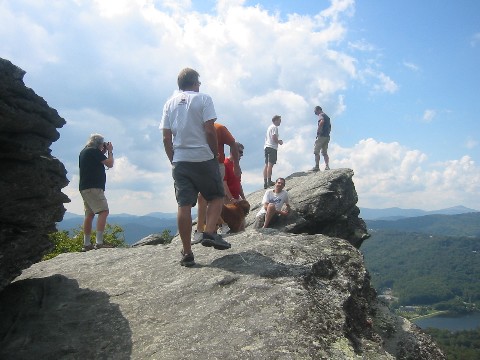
{"x": 190, "y": 142}
{"x": 270, "y": 148}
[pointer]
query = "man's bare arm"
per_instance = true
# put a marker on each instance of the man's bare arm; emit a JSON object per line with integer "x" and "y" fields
{"x": 168, "y": 143}
{"x": 211, "y": 136}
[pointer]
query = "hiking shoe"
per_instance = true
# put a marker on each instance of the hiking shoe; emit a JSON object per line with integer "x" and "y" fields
{"x": 187, "y": 260}
{"x": 224, "y": 229}
{"x": 86, "y": 248}
{"x": 216, "y": 241}
{"x": 106, "y": 246}
{"x": 327, "y": 167}
{"x": 196, "y": 238}
{"x": 265, "y": 186}
{"x": 315, "y": 168}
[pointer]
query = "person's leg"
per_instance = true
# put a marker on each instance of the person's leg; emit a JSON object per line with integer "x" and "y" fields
{"x": 101, "y": 222}
{"x": 184, "y": 223}
{"x": 272, "y": 160}
{"x": 269, "y": 173}
{"x": 209, "y": 183}
{"x": 214, "y": 210}
{"x": 316, "y": 152}
{"x": 221, "y": 224}
{"x": 87, "y": 227}
{"x": 201, "y": 213}
{"x": 259, "y": 221}
{"x": 327, "y": 159}
{"x": 186, "y": 195}
{"x": 265, "y": 179}
{"x": 271, "y": 211}
{"x": 325, "y": 152}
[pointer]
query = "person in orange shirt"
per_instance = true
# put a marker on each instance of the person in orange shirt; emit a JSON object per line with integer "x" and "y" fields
{"x": 224, "y": 137}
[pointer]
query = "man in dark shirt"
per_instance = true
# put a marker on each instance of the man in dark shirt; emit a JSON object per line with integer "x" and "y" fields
{"x": 323, "y": 138}
{"x": 92, "y": 162}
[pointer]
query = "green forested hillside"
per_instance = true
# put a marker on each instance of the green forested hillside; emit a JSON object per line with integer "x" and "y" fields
{"x": 424, "y": 269}
{"x": 460, "y": 345}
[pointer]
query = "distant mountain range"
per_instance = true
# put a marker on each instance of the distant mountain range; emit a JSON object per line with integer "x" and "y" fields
{"x": 458, "y": 225}
{"x": 396, "y": 213}
{"x": 137, "y": 227}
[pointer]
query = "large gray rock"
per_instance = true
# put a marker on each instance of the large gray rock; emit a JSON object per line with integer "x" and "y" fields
{"x": 273, "y": 295}
{"x": 31, "y": 178}
{"x": 322, "y": 202}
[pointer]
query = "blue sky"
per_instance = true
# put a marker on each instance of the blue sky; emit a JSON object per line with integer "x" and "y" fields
{"x": 399, "y": 79}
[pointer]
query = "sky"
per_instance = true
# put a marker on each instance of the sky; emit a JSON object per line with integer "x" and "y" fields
{"x": 400, "y": 80}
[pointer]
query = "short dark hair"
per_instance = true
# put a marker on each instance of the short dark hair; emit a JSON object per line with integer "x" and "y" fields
{"x": 283, "y": 179}
{"x": 276, "y": 117}
{"x": 187, "y": 78}
{"x": 318, "y": 108}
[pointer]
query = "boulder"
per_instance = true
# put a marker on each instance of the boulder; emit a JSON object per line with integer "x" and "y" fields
{"x": 323, "y": 202}
{"x": 32, "y": 179}
{"x": 273, "y": 295}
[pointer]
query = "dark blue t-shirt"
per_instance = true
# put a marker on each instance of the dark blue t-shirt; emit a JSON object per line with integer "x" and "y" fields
{"x": 92, "y": 171}
{"x": 327, "y": 126}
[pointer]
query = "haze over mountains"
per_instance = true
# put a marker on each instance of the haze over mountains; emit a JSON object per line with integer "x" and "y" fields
{"x": 396, "y": 213}
{"x": 137, "y": 227}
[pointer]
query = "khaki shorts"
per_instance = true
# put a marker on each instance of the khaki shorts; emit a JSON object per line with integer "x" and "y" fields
{"x": 94, "y": 201}
{"x": 321, "y": 143}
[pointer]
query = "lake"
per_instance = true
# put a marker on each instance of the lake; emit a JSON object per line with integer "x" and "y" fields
{"x": 464, "y": 322}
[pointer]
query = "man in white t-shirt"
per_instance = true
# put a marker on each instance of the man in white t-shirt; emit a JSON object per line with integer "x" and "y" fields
{"x": 273, "y": 202}
{"x": 190, "y": 142}
{"x": 270, "y": 148}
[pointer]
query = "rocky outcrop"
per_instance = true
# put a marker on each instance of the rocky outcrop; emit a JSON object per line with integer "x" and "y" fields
{"x": 273, "y": 295}
{"x": 31, "y": 178}
{"x": 322, "y": 203}
{"x": 299, "y": 291}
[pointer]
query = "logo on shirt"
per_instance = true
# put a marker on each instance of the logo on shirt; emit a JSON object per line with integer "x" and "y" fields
{"x": 183, "y": 101}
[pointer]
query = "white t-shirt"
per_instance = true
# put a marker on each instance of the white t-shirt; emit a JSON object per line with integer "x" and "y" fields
{"x": 269, "y": 142}
{"x": 185, "y": 114}
{"x": 272, "y": 197}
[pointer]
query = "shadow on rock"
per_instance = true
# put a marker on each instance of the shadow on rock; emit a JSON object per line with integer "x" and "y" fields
{"x": 254, "y": 263}
{"x": 53, "y": 318}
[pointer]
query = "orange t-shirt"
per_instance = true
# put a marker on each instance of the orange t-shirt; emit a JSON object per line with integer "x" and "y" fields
{"x": 224, "y": 137}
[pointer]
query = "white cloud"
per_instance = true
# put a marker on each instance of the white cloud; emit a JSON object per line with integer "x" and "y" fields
{"x": 389, "y": 174}
{"x": 362, "y": 45}
{"x": 429, "y": 115}
{"x": 109, "y": 66}
{"x": 411, "y": 66}
{"x": 386, "y": 84}
{"x": 382, "y": 83}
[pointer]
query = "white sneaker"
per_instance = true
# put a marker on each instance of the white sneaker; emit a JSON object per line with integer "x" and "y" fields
{"x": 196, "y": 238}
{"x": 224, "y": 229}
